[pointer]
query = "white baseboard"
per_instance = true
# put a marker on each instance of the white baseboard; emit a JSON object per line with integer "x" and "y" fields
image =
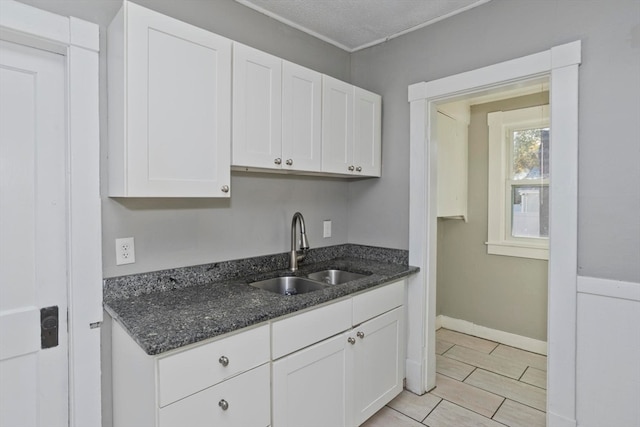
{"x": 413, "y": 377}
{"x": 506, "y": 338}
{"x": 555, "y": 420}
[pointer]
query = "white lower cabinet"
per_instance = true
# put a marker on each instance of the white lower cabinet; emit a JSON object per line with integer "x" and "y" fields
{"x": 241, "y": 401}
{"x": 345, "y": 379}
{"x": 377, "y": 363}
{"x": 313, "y": 387}
{"x": 335, "y": 365}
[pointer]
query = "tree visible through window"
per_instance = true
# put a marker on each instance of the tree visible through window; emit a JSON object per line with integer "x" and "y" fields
{"x": 519, "y": 182}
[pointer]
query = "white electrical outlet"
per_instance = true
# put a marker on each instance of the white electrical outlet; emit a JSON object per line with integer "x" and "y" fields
{"x": 125, "y": 251}
{"x": 326, "y": 228}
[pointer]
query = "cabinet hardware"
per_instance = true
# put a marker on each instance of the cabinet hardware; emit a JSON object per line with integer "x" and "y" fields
{"x": 277, "y": 161}
{"x": 359, "y": 169}
{"x": 289, "y": 162}
{"x": 351, "y": 340}
{"x": 224, "y": 360}
{"x": 360, "y": 334}
{"x": 225, "y": 188}
{"x": 223, "y": 404}
{"x": 351, "y": 168}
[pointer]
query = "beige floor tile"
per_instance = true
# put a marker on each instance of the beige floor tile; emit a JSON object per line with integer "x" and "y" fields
{"x": 538, "y": 361}
{"x": 509, "y": 368}
{"x": 414, "y": 406}
{"x": 387, "y": 417}
{"x": 467, "y": 396}
{"x": 442, "y": 346}
{"x": 511, "y": 389}
{"x": 515, "y": 414}
{"x": 535, "y": 377}
{"x": 468, "y": 341}
{"x": 452, "y": 368}
{"x": 447, "y": 414}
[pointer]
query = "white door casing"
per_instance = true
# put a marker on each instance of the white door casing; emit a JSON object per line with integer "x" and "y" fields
{"x": 560, "y": 63}
{"x": 77, "y": 43}
{"x": 33, "y": 248}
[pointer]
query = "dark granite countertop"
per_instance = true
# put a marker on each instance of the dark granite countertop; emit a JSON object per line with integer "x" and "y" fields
{"x": 166, "y": 311}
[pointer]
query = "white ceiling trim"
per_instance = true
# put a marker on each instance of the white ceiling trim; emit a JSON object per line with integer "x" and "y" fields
{"x": 329, "y": 40}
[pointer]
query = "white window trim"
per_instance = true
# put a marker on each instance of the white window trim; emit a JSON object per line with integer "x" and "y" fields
{"x": 500, "y": 241}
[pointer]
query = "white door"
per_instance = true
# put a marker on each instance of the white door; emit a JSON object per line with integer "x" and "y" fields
{"x": 33, "y": 233}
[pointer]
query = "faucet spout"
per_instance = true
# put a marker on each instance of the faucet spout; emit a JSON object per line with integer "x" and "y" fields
{"x": 298, "y": 255}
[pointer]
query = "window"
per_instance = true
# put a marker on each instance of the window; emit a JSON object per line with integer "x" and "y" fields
{"x": 519, "y": 183}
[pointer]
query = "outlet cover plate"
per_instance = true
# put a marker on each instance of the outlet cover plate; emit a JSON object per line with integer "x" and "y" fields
{"x": 125, "y": 251}
{"x": 326, "y": 228}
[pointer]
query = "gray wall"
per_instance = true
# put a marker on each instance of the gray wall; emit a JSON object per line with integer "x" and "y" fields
{"x": 500, "y": 292}
{"x": 609, "y": 108}
{"x": 172, "y": 233}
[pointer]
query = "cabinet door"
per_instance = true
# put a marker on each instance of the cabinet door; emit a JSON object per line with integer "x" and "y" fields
{"x": 337, "y": 126}
{"x": 312, "y": 387}
{"x": 378, "y": 363}
{"x": 452, "y": 167}
{"x": 257, "y": 108}
{"x": 301, "y": 115}
{"x": 178, "y": 90}
{"x": 367, "y": 129}
{"x": 242, "y": 401}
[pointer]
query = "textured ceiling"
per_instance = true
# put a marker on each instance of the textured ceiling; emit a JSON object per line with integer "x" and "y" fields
{"x": 356, "y": 24}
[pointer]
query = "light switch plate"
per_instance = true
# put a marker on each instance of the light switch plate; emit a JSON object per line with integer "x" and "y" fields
{"x": 326, "y": 228}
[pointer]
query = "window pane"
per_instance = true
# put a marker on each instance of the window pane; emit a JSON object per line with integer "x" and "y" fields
{"x": 530, "y": 211}
{"x": 530, "y": 154}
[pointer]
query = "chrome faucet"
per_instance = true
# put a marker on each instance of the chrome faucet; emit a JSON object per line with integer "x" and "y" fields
{"x": 296, "y": 256}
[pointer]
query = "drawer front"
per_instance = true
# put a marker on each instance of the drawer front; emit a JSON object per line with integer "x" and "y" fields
{"x": 201, "y": 367}
{"x": 246, "y": 398}
{"x": 373, "y": 303}
{"x": 308, "y": 328}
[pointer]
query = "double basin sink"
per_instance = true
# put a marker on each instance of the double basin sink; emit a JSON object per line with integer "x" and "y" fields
{"x": 293, "y": 285}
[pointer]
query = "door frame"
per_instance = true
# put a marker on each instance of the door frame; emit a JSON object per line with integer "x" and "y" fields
{"x": 560, "y": 64}
{"x": 78, "y": 41}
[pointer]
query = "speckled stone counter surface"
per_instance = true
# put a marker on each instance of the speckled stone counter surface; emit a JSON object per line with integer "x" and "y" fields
{"x": 168, "y": 309}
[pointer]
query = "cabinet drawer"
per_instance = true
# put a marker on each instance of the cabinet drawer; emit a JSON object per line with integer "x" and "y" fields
{"x": 308, "y": 328}
{"x": 246, "y": 395}
{"x": 378, "y": 301}
{"x": 193, "y": 370}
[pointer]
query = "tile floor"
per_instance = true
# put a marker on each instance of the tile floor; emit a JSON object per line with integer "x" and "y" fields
{"x": 479, "y": 383}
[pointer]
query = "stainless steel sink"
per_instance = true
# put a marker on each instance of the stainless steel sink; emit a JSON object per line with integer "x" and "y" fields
{"x": 288, "y": 285}
{"x": 335, "y": 277}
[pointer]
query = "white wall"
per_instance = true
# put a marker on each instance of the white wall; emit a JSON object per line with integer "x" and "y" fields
{"x": 608, "y": 347}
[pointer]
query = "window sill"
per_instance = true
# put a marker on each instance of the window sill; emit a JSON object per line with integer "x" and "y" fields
{"x": 517, "y": 250}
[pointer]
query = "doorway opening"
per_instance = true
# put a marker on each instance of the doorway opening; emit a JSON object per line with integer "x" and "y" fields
{"x": 560, "y": 65}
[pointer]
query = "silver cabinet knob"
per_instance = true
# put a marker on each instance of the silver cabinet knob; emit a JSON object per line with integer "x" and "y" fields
{"x": 224, "y": 360}
{"x": 360, "y": 334}
{"x": 289, "y": 162}
{"x": 351, "y": 168}
{"x": 277, "y": 161}
{"x": 351, "y": 340}
{"x": 225, "y": 188}
{"x": 223, "y": 404}
{"x": 359, "y": 169}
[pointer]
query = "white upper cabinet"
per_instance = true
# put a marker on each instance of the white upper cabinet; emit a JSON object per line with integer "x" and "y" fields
{"x": 337, "y": 125}
{"x": 367, "y": 144}
{"x": 452, "y": 167}
{"x": 301, "y": 118}
{"x": 169, "y": 107}
{"x": 257, "y": 108}
{"x": 351, "y": 129}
